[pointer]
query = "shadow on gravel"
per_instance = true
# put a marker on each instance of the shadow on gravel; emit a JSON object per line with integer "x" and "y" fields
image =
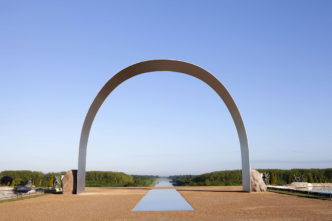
{"x": 126, "y": 188}
{"x": 221, "y": 191}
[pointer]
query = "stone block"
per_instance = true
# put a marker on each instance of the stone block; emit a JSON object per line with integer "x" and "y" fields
{"x": 257, "y": 182}
{"x": 69, "y": 182}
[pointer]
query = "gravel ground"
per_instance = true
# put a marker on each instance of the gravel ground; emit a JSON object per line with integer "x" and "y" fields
{"x": 209, "y": 203}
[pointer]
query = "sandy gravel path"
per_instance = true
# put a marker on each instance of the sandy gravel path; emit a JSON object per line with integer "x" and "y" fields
{"x": 209, "y": 203}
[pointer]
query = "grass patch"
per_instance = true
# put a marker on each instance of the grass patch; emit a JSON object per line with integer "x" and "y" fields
{"x": 21, "y": 198}
{"x": 320, "y": 197}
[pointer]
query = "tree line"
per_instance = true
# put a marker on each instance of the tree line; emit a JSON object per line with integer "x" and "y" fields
{"x": 282, "y": 177}
{"x": 93, "y": 178}
{"x": 218, "y": 178}
{"x": 22, "y": 177}
{"x": 116, "y": 179}
{"x": 274, "y": 177}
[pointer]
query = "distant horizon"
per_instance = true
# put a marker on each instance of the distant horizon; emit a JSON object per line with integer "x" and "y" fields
{"x": 133, "y": 174}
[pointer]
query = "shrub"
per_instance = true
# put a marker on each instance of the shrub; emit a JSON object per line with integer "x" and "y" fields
{"x": 50, "y": 182}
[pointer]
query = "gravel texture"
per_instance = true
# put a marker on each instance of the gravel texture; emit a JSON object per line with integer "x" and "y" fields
{"x": 209, "y": 203}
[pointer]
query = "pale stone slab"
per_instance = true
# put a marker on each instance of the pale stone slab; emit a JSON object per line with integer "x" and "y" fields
{"x": 257, "y": 182}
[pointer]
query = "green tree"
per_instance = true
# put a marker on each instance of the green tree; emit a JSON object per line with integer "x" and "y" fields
{"x": 289, "y": 179}
{"x": 273, "y": 179}
{"x": 310, "y": 178}
{"x": 50, "y": 182}
{"x": 37, "y": 183}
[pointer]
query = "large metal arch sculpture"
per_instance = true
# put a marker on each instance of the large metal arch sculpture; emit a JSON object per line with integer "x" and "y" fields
{"x": 163, "y": 65}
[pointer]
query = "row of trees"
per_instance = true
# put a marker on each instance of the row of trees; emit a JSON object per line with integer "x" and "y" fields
{"x": 116, "y": 179}
{"x": 275, "y": 176}
{"x": 22, "y": 177}
{"x": 93, "y": 178}
{"x": 218, "y": 178}
{"x": 103, "y": 179}
{"x": 282, "y": 177}
{"x": 143, "y": 180}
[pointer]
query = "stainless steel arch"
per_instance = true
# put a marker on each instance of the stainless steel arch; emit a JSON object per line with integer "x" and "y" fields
{"x": 163, "y": 65}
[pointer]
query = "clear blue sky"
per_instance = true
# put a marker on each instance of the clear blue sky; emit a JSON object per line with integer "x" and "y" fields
{"x": 274, "y": 57}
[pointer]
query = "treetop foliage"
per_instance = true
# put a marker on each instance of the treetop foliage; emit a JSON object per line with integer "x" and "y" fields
{"x": 234, "y": 177}
{"x": 93, "y": 178}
